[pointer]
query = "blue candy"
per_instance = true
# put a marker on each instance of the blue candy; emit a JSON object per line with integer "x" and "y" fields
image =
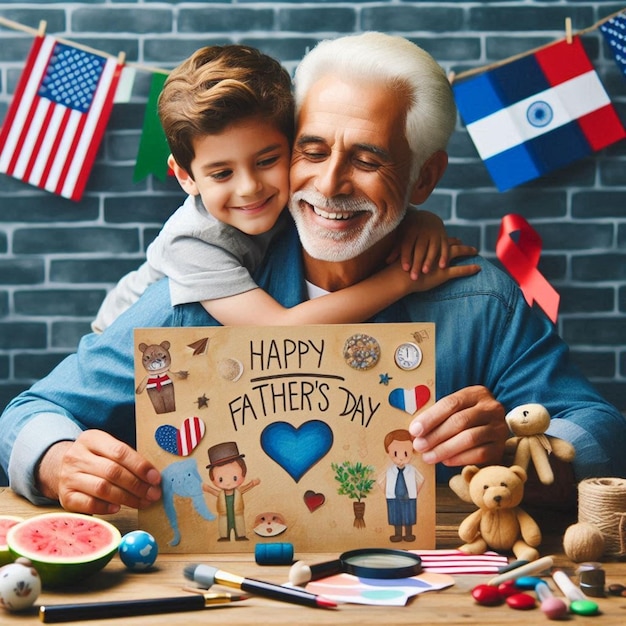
{"x": 527, "y": 582}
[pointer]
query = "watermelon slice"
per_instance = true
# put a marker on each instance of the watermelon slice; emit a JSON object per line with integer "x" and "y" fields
{"x": 6, "y": 521}
{"x": 64, "y": 547}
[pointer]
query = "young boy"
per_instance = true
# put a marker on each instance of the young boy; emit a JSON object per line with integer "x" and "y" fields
{"x": 228, "y": 116}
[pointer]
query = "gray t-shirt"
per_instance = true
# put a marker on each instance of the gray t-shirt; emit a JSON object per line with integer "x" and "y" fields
{"x": 204, "y": 259}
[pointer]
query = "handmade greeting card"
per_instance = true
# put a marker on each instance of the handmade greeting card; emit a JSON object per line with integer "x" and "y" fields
{"x": 286, "y": 434}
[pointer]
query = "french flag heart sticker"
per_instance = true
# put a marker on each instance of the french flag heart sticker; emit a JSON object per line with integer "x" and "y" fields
{"x": 410, "y": 400}
{"x": 183, "y": 441}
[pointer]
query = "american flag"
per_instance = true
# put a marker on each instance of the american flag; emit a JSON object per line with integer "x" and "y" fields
{"x": 189, "y": 436}
{"x": 614, "y": 31}
{"x": 57, "y": 118}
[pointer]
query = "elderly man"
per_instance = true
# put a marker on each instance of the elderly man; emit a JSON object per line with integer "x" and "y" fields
{"x": 374, "y": 116}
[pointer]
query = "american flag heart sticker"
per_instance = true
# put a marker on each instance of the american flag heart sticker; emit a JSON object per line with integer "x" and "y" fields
{"x": 181, "y": 441}
{"x": 410, "y": 400}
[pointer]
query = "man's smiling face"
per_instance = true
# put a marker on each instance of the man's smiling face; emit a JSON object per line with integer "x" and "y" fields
{"x": 350, "y": 167}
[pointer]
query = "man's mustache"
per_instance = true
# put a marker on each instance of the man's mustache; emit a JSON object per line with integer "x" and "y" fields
{"x": 339, "y": 204}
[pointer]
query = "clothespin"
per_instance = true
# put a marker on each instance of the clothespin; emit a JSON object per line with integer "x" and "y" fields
{"x": 568, "y": 29}
{"x": 41, "y": 31}
{"x": 121, "y": 58}
{"x": 451, "y": 76}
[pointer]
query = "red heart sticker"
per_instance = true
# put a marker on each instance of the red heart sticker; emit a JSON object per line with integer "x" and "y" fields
{"x": 313, "y": 500}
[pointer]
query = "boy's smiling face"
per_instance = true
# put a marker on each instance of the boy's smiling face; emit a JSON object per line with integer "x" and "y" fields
{"x": 228, "y": 476}
{"x": 400, "y": 452}
{"x": 241, "y": 174}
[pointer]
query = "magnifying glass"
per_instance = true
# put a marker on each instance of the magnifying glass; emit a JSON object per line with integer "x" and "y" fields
{"x": 366, "y": 563}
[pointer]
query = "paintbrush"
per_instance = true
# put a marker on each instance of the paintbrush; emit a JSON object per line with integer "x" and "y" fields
{"x": 207, "y": 575}
{"x": 55, "y": 613}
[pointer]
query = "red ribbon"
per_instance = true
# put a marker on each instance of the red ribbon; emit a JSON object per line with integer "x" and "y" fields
{"x": 521, "y": 258}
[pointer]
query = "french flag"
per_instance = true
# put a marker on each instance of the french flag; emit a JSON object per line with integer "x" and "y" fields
{"x": 538, "y": 113}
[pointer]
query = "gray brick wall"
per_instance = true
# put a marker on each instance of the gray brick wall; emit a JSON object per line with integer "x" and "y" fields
{"x": 58, "y": 258}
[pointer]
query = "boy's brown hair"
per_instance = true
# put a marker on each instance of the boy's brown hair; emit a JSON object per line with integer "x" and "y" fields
{"x": 219, "y": 85}
{"x": 401, "y": 434}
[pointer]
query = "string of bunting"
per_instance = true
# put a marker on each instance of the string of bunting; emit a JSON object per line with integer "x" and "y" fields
{"x": 42, "y": 29}
{"x": 536, "y": 112}
{"x": 50, "y": 132}
{"x": 453, "y": 77}
{"x": 531, "y": 114}
{"x": 498, "y": 145}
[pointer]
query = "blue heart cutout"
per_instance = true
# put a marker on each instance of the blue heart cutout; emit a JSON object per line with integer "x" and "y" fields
{"x": 166, "y": 438}
{"x": 297, "y": 450}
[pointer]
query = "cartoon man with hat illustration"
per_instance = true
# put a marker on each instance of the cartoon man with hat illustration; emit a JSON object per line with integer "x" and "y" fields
{"x": 227, "y": 471}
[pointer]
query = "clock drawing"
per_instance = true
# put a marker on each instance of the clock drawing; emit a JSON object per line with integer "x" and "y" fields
{"x": 408, "y": 356}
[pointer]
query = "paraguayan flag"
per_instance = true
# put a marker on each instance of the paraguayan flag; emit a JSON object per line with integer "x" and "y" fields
{"x": 538, "y": 113}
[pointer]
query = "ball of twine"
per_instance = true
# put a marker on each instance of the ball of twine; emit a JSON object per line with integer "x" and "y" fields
{"x": 602, "y": 503}
{"x": 583, "y": 542}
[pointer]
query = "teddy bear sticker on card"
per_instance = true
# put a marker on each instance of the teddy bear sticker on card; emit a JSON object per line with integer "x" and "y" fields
{"x": 294, "y": 434}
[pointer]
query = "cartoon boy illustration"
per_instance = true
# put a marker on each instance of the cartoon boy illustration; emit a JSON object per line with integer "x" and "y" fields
{"x": 401, "y": 484}
{"x": 227, "y": 471}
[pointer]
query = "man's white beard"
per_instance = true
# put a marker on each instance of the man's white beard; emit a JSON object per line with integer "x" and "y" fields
{"x": 333, "y": 245}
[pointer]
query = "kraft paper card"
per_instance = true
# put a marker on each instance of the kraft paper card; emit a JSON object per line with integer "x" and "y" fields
{"x": 286, "y": 434}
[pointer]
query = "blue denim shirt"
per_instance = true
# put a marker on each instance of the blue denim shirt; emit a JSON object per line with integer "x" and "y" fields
{"x": 485, "y": 335}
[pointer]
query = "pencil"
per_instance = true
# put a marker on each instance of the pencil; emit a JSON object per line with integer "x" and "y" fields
{"x": 207, "y": 576}
{"x": 512, "y": 566}
{"x": 55, "y": 613}
{"x": 523, "y": 570}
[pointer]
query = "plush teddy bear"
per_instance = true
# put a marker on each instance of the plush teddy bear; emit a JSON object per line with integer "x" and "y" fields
{"x": 498, "y": 524}
{"x": 528, "y": 423}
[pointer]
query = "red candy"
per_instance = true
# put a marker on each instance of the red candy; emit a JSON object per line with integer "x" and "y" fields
{"x": 507, "y": 588}
{"x": 487, "y": 595}
{"x": 521, "y": 601}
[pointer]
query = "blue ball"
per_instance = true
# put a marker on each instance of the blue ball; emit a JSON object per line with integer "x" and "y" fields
{"x": 138, "y": 550}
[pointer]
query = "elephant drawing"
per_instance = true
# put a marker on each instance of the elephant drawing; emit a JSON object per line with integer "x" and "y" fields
{"x": 182, "y": 479}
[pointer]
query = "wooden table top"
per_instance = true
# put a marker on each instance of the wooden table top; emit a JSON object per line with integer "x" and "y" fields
{"x": 453, "y": 605}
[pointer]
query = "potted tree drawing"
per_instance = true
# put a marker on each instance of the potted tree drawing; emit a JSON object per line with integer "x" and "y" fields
{"x": 355, "y": 480}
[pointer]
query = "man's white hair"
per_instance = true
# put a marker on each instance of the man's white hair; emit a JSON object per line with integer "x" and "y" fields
{"x": 374, "y": 56}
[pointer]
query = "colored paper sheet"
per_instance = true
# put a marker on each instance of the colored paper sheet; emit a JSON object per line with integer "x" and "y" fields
{"x": 538, "y": 113}
{"x": 376, "y": 591}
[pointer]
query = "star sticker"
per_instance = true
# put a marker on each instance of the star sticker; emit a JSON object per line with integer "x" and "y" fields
{"x": 384, "y": 379}
{"x": 202, "y": 401}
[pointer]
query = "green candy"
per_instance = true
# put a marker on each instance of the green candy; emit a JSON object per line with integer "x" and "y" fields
{"x": 583, "y": 607}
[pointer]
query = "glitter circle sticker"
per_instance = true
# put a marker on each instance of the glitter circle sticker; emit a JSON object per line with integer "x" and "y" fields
{"x": 230, "y": 369}
{"x": 361, "y": 352}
